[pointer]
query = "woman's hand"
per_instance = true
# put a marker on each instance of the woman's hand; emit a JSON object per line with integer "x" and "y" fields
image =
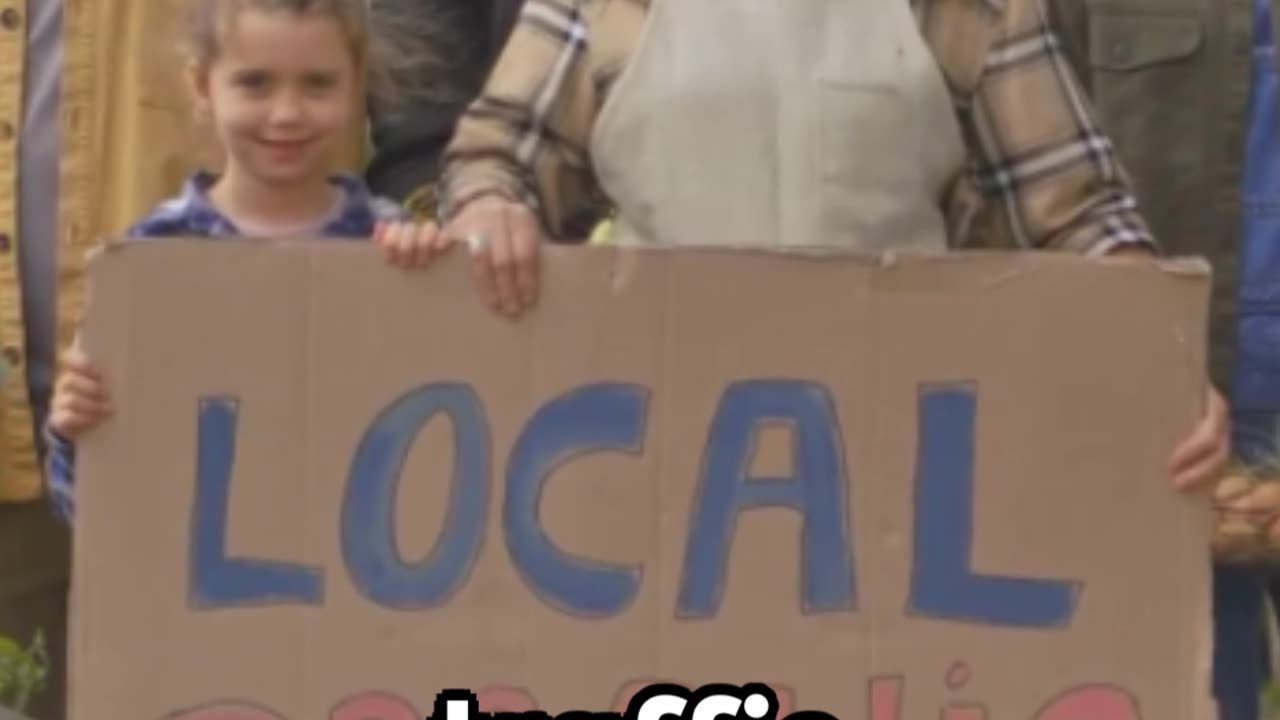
{"x": 1200, "y": 460}
{"x": 504, "y": 238}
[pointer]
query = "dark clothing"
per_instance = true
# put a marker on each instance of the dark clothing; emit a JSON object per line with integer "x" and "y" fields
{"x": 1176, "y": 84}
{"x": 35, "y": 552}
{"x": 466, "y": 37}
{"x": 1171, "y": 82}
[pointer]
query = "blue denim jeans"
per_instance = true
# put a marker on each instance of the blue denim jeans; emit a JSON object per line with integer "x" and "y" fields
{"x": 1240, "y": 596}
{"x": 1240, "y": 641}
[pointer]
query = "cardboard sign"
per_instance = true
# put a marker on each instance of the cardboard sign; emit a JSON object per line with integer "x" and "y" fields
{"x": 890, "y": 490}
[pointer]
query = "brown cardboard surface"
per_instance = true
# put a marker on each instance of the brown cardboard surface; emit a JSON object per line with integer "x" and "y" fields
{"x": 1080, "y": 376}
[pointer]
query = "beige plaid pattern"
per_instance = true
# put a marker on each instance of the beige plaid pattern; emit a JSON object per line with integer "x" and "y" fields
{"x": 1037, "y": 157}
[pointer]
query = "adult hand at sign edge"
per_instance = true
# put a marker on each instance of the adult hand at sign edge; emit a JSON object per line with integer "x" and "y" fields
{"x": 504, "y": 238}
{"x": 1201, "y": 459}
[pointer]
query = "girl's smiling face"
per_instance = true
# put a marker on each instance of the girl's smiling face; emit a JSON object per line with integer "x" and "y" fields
{"x": 280, "y": 94}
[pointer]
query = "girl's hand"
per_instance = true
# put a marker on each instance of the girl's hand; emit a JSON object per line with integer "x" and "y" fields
{"x": 410, "y": 244}
{"x": 80, "y": 400}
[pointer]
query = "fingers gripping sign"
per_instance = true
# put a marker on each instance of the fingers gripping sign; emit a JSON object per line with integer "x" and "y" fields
{"x": 80, "y": 399}
{"x": 410, "y": 245}
{"x": 504, "y": 239}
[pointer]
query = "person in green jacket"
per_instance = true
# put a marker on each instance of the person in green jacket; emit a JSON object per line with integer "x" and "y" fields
{"x": 1187, "y": 90}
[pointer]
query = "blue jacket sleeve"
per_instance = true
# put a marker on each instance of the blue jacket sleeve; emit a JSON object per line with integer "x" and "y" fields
{"x": 60, "y": 470}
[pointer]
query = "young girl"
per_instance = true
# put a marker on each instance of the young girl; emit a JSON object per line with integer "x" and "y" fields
{"x": 280, "y": 82}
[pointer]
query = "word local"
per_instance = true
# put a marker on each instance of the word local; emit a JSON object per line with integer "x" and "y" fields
{"x": 614, "y": 417}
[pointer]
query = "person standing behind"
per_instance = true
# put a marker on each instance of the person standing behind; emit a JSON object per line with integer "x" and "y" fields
{"x": 1187, "y": 89}
{"x": 34, "y": 551}
{"x": 465, "y": 37}
{"x": 620, "y": 98}
{"x": 71, "y": 170}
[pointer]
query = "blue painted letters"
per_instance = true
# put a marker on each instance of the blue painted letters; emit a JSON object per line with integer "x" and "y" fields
{"x": 817, "y": 490}
{"x": 368, "y": 512}
{"x": 595, "y": 418}
{"x": 216, "y": 580}
{"x": 612, "y": 417}
{"x": 942, "y": 582}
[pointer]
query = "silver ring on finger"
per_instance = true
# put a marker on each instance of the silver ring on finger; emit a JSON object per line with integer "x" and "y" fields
{"x": 477, "y": 242}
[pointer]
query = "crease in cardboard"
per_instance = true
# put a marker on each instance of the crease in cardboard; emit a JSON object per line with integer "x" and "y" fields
{"x": 877, "y": 428}
{"x": 622, "y": 268}
{"x": 306, "y": 300}
{"x": 667, "y": 588}
{"x": 1202, "y": 698}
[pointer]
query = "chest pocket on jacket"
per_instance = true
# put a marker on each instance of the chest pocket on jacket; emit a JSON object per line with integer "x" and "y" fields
{"x": 1148, "y": 73}
{"x": 1123, "y": 42}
